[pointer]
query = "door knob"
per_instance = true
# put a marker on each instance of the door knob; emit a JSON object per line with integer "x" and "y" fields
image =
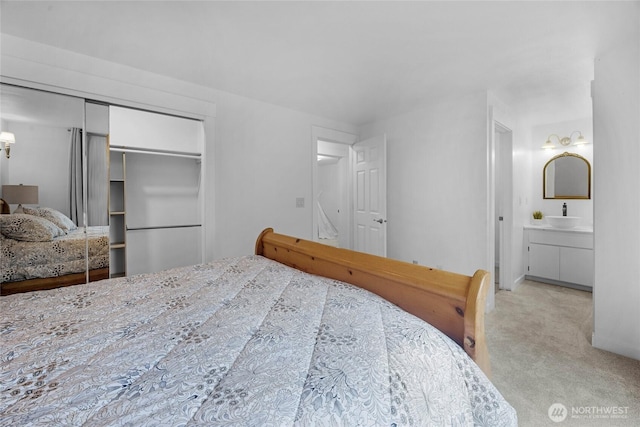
{"x": 380, "y": 220}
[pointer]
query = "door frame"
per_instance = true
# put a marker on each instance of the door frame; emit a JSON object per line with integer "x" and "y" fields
{"x": 507, "y": 225}
{"x": 503, "y": 150}
{"x": 339, "y": 137}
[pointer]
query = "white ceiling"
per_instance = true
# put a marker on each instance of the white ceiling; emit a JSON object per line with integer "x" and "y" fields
{"x": 350, "y": 61}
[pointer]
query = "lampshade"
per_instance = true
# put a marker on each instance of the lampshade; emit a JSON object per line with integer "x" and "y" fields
{"x": 7, "y": 137}
{"x": 580, "y": 140}
{"x": 548, "y": 145}
{"x": 20, "y": 194}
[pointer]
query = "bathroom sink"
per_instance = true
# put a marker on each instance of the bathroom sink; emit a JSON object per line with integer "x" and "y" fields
{"x": 563, "y": 221}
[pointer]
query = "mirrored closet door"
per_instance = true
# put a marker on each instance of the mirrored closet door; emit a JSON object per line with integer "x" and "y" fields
{"x": 53, "y": 178}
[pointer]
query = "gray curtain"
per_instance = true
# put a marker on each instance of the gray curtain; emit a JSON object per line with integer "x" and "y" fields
{"x": 75, "y": 177}
{"x": 97, "y": 180}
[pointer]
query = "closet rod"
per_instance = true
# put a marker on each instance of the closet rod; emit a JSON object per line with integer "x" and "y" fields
{"x": 188, "y": 155}
{"x": 161, "y": 227}
{"x": 104, "y": 135}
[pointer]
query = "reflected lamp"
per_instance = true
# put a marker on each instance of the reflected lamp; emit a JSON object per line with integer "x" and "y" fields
{"x": 20, "y": 194}
{"x": 7, "y": 138}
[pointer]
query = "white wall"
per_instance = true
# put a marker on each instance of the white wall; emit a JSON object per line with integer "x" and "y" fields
{"x": 522, "y": 200}
{"x": 40, "y": 157}
{"x": 437, "y": 175}
{"x": 263, "y": 163}
{"x": 616, "y": 127}
{"x": 540, "y": 133}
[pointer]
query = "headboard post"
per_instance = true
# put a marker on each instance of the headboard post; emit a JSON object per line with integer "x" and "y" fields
{"x": 259, "y": 244}
{"x": 474, "y": 341}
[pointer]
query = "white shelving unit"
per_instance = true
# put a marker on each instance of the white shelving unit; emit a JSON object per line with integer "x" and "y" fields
{"x": 117, "y": 215}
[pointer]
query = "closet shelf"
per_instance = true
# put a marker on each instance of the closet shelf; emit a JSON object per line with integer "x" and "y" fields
{"x": 161, "y": 227}
{"x": 117, "y": 216}
{"x": 124, "y": 149}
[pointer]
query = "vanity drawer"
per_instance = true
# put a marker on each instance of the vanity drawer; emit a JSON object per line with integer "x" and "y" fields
{"x": 561, "y": 238}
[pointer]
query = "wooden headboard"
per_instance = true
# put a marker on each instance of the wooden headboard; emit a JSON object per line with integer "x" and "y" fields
{"x": 453, "y": 303}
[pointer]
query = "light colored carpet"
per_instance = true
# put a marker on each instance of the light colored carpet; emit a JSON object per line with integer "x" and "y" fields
{"x": 539, "y": 339}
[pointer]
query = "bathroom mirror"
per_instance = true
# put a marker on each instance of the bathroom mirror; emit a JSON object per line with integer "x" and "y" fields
{"x": 567, "y": 176}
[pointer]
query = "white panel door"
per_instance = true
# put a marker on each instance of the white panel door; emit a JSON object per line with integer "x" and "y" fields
{"x": 370, "y": 195}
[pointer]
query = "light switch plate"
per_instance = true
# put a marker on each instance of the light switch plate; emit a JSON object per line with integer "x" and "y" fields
{"x": 299, "y": 202}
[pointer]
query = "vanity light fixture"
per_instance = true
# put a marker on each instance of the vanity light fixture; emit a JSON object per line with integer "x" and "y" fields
{"x": 7, "y": 138}
{"x": 565, "y": 140}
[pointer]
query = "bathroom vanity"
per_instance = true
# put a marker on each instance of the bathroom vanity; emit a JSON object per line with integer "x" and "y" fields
{"x": 561, "y": 256}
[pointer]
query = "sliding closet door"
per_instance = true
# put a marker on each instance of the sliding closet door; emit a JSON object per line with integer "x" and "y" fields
{"x": 164, "y": 226}
{"x": 163, "y": 188}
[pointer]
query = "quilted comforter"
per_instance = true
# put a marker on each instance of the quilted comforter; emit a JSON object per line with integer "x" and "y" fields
{"x": 240, "y": 342}
{"x": 63, "y": 255}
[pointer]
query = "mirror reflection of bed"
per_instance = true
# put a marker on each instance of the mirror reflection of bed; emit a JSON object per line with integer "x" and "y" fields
{"x": 46, "y": 244}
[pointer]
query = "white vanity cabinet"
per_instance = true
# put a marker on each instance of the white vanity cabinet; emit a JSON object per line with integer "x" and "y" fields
{"x": 558, "y": 256}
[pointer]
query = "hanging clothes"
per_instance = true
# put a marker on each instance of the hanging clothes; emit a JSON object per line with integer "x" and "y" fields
{"x": 76, "y": 199}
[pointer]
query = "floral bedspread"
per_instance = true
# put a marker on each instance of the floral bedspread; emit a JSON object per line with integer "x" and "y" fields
{"x": 66, "y": 254}
{"x": 239, "y": 342}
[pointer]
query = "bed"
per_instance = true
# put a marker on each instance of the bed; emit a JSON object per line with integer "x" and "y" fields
{"x": 255, "y": 340}
{"x": 59, "y": 259}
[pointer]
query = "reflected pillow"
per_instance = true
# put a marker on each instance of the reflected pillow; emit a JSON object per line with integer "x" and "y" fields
{"x": 56, "y": 217}
{"x": 28, "y": 228}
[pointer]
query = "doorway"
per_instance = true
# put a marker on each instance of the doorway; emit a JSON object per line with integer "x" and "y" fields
{"x": 331, "y": 157}
{"x": 349, "y": 176}
{"x": 503, "y": 218}
{"x": 332, "y": 200}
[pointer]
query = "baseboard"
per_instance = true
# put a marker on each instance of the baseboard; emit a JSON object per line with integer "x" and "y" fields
{"x": 517, "y": 283}
{"x": 560, "y": 283}
{"x": 607, "y": 344}
{"x": 514, "y": 285}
